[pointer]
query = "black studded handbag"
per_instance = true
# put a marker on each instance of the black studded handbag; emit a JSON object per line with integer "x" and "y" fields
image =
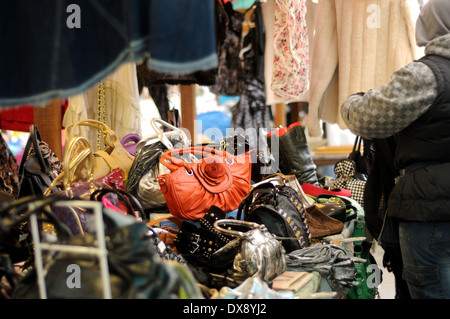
{"x": 198, "y": 243}
{"x": 281, "y": 210}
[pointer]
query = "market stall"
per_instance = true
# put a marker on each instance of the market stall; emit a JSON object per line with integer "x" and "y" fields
{"x": 96, "y": 209}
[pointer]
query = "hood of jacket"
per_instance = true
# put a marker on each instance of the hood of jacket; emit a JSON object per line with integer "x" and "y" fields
{"x": 433, "y": 21}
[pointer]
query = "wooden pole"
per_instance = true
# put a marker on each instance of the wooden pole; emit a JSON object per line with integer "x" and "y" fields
{"x": 294, "y": 114}
{"x": 188, "y": 110}
{"x": 280, "y": 115}
{"x": 49, "y": 122}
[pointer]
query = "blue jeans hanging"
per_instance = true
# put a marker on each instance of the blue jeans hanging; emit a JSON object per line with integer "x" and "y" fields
{"x": 44, "y": 57}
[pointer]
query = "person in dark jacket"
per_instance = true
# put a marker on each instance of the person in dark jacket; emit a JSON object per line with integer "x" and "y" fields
{"x": 415, "y": 107}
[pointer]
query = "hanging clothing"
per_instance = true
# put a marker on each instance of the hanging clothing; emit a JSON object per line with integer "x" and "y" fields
{"x": 268, "y": 9}
{"x": 290, "y": 74}
{"x": 204, "y": 78}
{"x": 358, "y": 44}
{"x": 57, "y": 49}
{"x": 251, "y": 112}
{"x": 229, "y": 77}
{"x": 122, "y": 105}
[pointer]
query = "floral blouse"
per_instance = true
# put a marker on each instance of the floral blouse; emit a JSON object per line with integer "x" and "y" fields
{"x": 290, "y": 75}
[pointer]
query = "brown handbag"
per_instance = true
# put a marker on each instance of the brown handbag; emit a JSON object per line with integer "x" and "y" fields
{"x": 217, "y": 178}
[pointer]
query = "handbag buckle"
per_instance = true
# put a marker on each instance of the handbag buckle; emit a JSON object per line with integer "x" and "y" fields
{"x": 195, "y": 239}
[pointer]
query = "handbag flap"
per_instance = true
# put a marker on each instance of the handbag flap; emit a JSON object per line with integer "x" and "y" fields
{"x": 213, "y": 174}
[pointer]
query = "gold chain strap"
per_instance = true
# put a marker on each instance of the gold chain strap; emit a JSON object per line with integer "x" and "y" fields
{"x": 101, "y": 113}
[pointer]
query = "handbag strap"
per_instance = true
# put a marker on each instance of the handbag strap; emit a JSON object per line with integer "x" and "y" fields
{"x": 164, "y": 136}
{"x": 267, "y": 188}
{"x": 357, "y": 144}
{"x": 223, "y": 226}
{"x": 130, "y": 201}
{"x": 172, "y": 163}
{"x": 70, "y": 163}
{"x": 174, "y": 219}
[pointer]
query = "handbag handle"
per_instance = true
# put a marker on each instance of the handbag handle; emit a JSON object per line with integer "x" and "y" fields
{"x": 291, "y": 181}
{"x": 267, "y": 188}
{"x": 69, "y": 166}
{"x": 130, "y": 201}
{"x": 132, "y": 137}
{"x": 357, "y": 144}
{"x": 173, "y": 163}
{"x": 219, "y": 225}
{"x": 110, "y": 137}
{"x": 162, "y": 136}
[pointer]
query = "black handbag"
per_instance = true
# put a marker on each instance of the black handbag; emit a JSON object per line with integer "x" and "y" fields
{"x": 280, "y": 209}
{"x": 39, "y": 166}
{"x": 362, "y": 165}
{"x": 198, "y": 243}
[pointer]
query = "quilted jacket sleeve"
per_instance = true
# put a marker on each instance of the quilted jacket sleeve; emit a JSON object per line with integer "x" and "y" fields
{"x": 384, "y": 112}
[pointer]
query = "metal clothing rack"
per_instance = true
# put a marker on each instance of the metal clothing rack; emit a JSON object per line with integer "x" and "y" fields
{"x": 100, "y": 250}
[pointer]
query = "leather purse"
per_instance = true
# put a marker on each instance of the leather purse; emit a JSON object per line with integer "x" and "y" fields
{"x": 113, "y": 156}
{"x": 143, "y": 175}
{"x": 39, "y": 166}
{"x": 259, "y": 253}
{"x": 280, "y": 208}
{"x": 216, "y": 179}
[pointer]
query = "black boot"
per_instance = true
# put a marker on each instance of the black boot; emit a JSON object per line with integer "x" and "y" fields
{"x": 292, "y": 153}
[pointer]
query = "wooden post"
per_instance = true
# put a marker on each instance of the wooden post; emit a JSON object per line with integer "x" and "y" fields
{"x": 295, "y": 110}
{"x": 188, "y": 110}
{"x": 280, "y": 115}
{"x": 49, "y": 122}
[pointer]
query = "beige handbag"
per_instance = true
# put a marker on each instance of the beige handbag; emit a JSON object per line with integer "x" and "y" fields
{"x": 113, "y": 156}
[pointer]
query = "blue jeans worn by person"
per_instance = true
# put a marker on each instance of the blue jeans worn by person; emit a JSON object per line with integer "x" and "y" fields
{"x": 426, "y": 258}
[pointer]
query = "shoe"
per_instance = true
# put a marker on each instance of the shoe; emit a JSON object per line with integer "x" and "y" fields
{"x": 320, "y": 224}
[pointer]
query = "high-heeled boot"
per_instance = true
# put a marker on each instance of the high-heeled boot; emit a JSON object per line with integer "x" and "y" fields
{"x": 292, "y": 152}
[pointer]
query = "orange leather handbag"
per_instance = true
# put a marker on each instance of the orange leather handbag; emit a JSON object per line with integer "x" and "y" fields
{"x": 217, "y": 178}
